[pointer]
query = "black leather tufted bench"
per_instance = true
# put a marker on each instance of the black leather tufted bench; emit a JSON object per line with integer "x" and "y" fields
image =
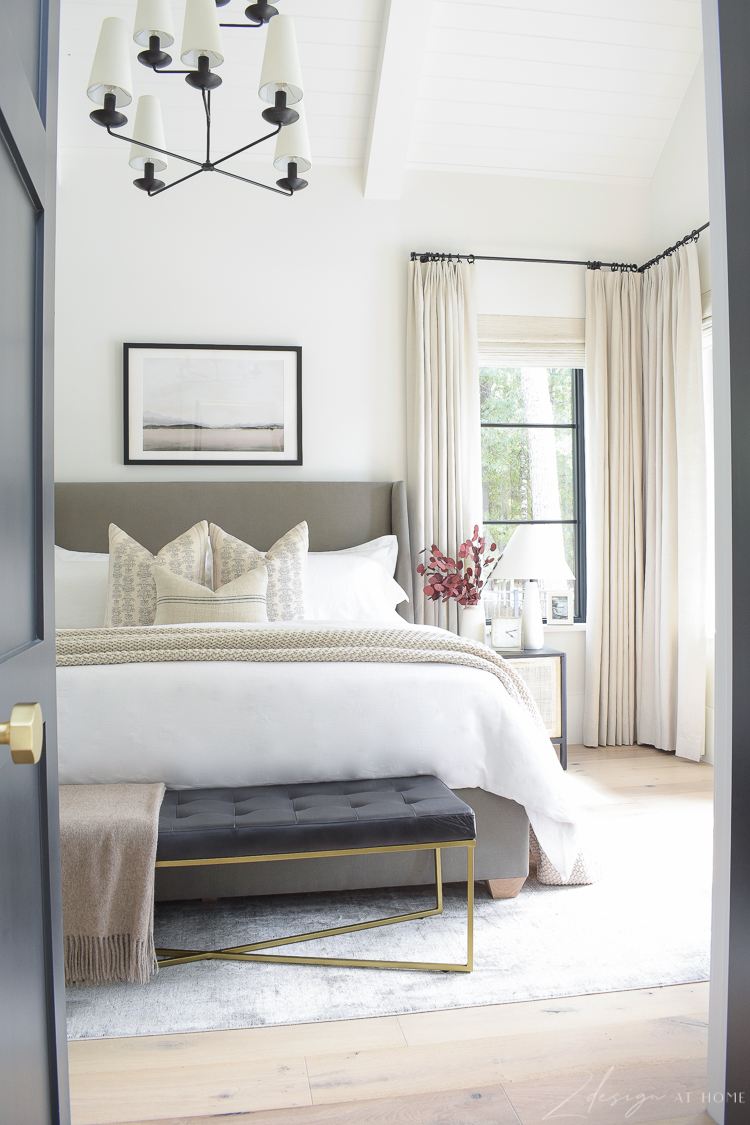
{"x": 274, "y": 822}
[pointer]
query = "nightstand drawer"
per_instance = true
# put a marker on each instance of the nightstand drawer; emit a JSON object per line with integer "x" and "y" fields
{"x": 543, "y": 672}
{"x": 543, "y": 677}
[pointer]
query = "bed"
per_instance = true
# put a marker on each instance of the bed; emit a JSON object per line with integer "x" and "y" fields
{"x": 194, "y": 725}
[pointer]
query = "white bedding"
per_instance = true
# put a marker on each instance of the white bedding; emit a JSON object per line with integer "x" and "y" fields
{"x": 203, "y": 724}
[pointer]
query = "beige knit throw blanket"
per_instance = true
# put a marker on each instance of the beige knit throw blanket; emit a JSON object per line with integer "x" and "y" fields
{"x": 140, "y": 643}
{"x": 108, "y": 842}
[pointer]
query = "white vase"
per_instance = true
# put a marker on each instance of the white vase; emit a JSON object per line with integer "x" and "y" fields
{"x": 471, "y": 623}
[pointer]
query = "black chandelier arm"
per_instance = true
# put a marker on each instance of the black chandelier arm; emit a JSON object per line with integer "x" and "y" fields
{"x": 244, "y": 148}
{"x": 153, "y": 148}
{"x": 174, "y": 183}
{"x": 161, "y": 70}
{"x": 245, "y": 180}
{"x": 260, "y": 24}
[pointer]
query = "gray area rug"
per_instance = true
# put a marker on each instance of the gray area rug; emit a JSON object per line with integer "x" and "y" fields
{"x": 644, "y": 924}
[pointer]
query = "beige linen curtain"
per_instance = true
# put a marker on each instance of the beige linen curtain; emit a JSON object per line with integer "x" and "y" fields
{"x": 614, "y": 506}
{"x": 646, "y": 508}
{"x": 672, "y": 683}
{"x": 444, "y": 450}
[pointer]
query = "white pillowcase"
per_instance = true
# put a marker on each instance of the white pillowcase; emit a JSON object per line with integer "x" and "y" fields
{"x": 383, "y": 550}
{"x": 81, "y": 584}
{"x": 346, "y": 586}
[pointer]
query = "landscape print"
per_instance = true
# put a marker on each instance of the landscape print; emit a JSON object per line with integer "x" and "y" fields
{"x": 213, "y": 402}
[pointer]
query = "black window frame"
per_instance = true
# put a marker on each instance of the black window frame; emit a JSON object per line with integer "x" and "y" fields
{"x": 579, "y": 481}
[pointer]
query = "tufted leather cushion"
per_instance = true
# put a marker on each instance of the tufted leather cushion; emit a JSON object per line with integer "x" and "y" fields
{"x": 326, "y": 816}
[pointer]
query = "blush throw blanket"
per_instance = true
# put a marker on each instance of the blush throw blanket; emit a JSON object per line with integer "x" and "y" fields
{"x": 108, "y": 837}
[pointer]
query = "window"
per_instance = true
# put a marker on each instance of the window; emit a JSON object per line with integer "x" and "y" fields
{"x": 532, "y": 457}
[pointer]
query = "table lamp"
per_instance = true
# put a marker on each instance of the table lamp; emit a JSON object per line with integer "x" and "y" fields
{"x": 534, "y": 551}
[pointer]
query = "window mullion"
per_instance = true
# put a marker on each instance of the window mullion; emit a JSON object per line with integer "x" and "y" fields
{"x": 503, "y": 490}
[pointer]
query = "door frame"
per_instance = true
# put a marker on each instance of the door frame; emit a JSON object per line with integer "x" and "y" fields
{"x": 726, "y": 41}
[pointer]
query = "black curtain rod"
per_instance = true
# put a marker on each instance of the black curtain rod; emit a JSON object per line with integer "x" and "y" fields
{"x": 624, "y": 267}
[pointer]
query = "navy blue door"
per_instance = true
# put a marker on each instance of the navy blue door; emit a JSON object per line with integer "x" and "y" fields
{"x": 33, "y": 1061}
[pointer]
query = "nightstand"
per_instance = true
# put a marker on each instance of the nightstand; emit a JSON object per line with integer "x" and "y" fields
{"x": 543, "y": 671}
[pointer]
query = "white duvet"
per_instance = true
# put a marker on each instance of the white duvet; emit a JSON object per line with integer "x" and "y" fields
{"x": 225, "y": 723}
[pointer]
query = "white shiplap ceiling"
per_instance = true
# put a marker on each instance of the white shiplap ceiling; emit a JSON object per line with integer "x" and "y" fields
{"x": 564, "y": 88}
{"x": 573, "y": 89}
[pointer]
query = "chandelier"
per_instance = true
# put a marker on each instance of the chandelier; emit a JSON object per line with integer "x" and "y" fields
{"x": 111, "y": 87}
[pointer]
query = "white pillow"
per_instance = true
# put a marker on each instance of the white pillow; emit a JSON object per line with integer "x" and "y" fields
{"x": 383, "y": 550}
{"x": 81, "y": 583}
{"x": 345, "y": 586}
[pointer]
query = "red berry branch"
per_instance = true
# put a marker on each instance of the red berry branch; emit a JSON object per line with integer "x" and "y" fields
{"x": 459, "y": 579}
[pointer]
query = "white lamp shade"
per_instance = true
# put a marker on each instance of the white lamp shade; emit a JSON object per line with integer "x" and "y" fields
{"x": 201, "y": 34}
{"x": 535, "y": 550}
{"x": 153, "y": 17}
{"x": 281, "y": 69}
{"x": 293, "y": 144}
{"x": 110, "y": 73}
{"x": 149, "y": 128}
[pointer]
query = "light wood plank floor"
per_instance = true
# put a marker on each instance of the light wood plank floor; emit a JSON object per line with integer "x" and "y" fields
{"x": 608, "y": 1058}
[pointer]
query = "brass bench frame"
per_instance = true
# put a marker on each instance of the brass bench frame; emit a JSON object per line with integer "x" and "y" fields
{"x": 249, "y": 952}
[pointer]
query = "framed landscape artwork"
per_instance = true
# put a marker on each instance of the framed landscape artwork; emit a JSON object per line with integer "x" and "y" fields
{"x": 212, "y": 404}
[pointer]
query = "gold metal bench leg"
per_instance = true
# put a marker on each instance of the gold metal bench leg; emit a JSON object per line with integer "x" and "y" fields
{"x": 250, "y": 952}
{"x": 469, "y": 909}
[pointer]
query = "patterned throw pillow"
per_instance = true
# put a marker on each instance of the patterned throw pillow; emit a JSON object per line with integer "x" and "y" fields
{"x": 286, "y": 563}
{"x": 131, "y": 599}
{"x": 181, "y": 602}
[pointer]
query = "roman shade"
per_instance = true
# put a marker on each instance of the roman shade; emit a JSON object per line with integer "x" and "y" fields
{"x": 531, "y": 341}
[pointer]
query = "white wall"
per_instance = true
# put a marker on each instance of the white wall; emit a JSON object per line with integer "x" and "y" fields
{"x": 571, "y": 639}
{"x": 221, "y": 262}
{"x": 678, "y": 196}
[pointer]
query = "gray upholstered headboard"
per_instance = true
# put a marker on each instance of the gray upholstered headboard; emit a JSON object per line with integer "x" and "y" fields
{"x": 339, "y": 514}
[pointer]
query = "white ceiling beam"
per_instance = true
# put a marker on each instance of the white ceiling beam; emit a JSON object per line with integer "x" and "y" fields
{"x": 406, "y": 25}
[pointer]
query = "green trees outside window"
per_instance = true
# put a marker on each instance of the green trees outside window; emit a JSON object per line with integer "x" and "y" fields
{"x": 532, "y": 456}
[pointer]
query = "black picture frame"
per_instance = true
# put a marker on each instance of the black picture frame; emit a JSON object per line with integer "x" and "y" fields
{"x": 133, "y": 427}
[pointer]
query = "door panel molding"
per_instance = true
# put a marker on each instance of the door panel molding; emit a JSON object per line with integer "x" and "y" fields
{"x": 21, "y": 123}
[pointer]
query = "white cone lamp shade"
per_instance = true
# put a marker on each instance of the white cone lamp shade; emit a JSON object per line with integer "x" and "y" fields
{"x": 153, "y": 17}
{"x": 110, "y": 73}
{"x": 281, "y": 69}
{"x": 201, "y": 34}
{"x": 293, "y": 144}
{"x": 534, "y": 551}
{"x": 149, "y": 128}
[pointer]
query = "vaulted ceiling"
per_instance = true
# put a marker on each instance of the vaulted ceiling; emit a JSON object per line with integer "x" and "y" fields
{"x": 571, "y": 89}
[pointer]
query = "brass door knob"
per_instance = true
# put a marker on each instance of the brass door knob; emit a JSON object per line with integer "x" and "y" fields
{"x": 24, "y": 734}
